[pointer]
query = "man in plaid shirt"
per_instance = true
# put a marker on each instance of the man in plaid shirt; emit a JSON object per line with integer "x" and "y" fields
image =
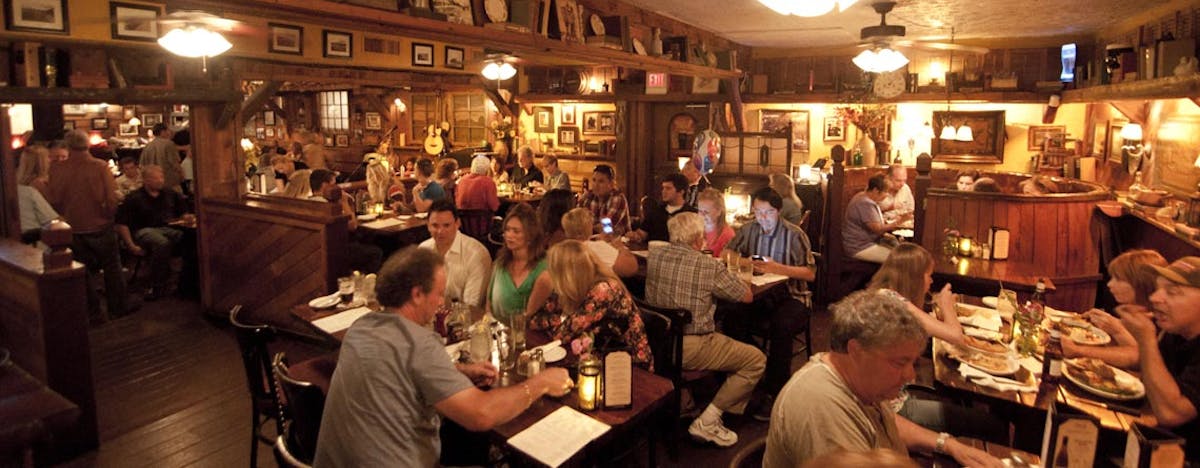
{"x": 679, "y": 276}
{"x": 785, "y": 250}
{"x": 605, "y": 201}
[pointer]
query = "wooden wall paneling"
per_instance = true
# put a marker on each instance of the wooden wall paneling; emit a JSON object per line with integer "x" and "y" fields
{"x": 10, "y": 216}
{"x": 1045, "y": 238}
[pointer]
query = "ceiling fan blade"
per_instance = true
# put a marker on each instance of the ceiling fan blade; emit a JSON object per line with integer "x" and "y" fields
{"x": 941, "y": 46}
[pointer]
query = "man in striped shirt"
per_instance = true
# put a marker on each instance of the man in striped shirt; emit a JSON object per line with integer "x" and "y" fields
{"x": 784, "y": 250}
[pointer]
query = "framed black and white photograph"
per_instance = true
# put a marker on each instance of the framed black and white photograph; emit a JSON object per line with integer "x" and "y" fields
{"x": 126, "y": 130}
{"x": 134, "y": 22}
{"x": 342, "y": 139}
{"x": 454, "y": 57}
{"x": 179, "y": 120}
{"x": 286, "y": 39}
{"x": 150, "y": 120}
{"x": 373, "y": 121}
{"x": 568, "y": 136}
{"x": 599, "y": 123}
{"x": 1052, "y": 136}
{"x": 270, "y": 133}
{"x": 268, "y": 118}
{"x": 43, "y": 16}
{"x": 543, "y": 119}
{"x": 835, "y": 129}
{"x": 100, "y": 124}
{"x": 422, "y": 54}
{"x": 456, "y": 11}
{"x": 260, "y": 133}
{"x": 338, "y": 44}
{"x": 567, "y": 114}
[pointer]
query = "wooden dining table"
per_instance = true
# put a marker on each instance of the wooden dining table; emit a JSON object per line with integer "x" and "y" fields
{"x": 651, "y": 395}
{"x": 1003, "y": 452}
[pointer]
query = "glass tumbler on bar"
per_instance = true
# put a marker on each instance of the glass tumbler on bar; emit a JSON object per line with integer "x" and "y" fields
{"x": 745, "y": 269}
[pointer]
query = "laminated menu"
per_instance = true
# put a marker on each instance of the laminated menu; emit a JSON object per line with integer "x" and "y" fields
{"x": 558, "y": 436}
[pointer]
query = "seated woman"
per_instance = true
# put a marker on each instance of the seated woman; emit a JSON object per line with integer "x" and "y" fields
{"x": 1133, "y": 280}
{"x": 298, "y": 185}
{"x": 711, "y": 205}
{"x": 965, "y": 180}
{"x": 519, "y": 283}
{"x": 554, "y": 205}
{"x": 446, "y": 174}
{"x": 908, "y": 272}
{"x": 284, "y": 166}
{"x": 577, "y": 224}
{"x": 600, "y": 315}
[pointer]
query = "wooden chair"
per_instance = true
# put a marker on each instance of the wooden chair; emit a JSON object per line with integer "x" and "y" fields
{"x": 301, "y": 405}
{"x": 478, "y": 224}
{"x": 664, "y": 330}
{"x": 751, "y": 455}
{"x": 284, "y": 458}
{"x": 264, "y": 406}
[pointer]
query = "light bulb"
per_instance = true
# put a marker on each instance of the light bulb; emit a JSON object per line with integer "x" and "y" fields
{"x": 194, "y": 42}
{"x": 964, "y": 133}
{"x": 1131, "y": 131}
{"x": 948, "y": 133}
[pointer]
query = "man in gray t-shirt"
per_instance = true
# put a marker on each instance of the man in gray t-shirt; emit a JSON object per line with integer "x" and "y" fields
{"x": 394, "y": 381}
{"x": 864, "y": 228}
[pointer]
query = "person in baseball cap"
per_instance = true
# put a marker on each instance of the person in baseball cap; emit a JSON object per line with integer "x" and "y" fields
{"x": 1171, "y": 365}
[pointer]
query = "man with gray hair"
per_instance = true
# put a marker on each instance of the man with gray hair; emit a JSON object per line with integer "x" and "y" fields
{"x": 680, "y": 276}
{"x": 839, "y": 400}
{"x": 83, "y": 190}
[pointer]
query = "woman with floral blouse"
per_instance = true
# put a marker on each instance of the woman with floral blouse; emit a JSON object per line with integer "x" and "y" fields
{"x": 600, "y": 314}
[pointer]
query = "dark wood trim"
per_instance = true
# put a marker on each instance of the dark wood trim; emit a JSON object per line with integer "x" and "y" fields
{"x": 633, "y": 97}
{"x": 10, "y": 216}
{"x": 118, "y": 95}
{"x": 989, "y": 96}
{"x": 1160, "y": 88}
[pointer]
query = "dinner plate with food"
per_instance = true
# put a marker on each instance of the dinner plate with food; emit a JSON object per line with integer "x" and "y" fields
{"x": 992, "y": 363}
{"x": 1103, "y": 380}
{"x": 985, "y": 345}
{"x": 1083, "y": 332}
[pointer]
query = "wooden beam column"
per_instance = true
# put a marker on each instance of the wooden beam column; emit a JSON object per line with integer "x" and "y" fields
{"x": 10, "y": 217}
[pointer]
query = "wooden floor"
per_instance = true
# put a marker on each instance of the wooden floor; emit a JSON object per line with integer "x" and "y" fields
{"x": 171, "y": 392}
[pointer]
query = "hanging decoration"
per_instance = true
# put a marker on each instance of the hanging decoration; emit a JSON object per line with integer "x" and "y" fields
{"x": 706, "y": 151}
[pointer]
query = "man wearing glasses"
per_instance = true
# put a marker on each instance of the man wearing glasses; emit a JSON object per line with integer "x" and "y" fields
{"x": 781, "y": 248}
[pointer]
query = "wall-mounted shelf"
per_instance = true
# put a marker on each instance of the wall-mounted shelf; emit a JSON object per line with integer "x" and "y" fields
{"x": 830, "y": 97}
{"x": 612, "y": 98}
{"x": 1160, "y": 88}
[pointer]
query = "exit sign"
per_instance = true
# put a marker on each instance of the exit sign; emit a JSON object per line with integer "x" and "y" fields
{"x": 656, "y": 83}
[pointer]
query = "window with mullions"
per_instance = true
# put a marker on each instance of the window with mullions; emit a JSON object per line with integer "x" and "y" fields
{"x": 469, "y": 116}
{"x": 334, "y": 110}
{"x": 424, "y": 112}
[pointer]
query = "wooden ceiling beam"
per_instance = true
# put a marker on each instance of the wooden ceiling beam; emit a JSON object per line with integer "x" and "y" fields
{"x": 257, "y": 100}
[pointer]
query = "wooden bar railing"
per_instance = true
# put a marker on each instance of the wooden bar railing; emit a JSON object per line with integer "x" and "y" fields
{"x": 44, "y": 323}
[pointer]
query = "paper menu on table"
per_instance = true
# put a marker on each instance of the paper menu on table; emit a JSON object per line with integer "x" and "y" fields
{"x": 766, "y": 278}
{"x": 341, "y": 320}
{"x": 383, "y": 223}
{"x": 558, "y": 436}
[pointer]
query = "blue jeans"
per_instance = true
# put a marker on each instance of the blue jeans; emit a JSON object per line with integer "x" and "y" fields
{"x": 102, "y": 251}
{"x": 159, "y": 243}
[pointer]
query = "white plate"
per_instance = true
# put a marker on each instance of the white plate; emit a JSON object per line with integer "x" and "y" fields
{"x": 554, "y": 354}
{"x": 496, "y": 10}
{"x": 990, "y": 301}
{"x": 1139, "y": 389}
{"x": 368, "y": 217}
{"x": 1102, "y": 337}
{"x": 638, "y": 47}
{"x": 421, "y": 215}
{"x": 597, "y": 25}
{"x": 1011, "y": 365}
{"x": 324, "y": 302}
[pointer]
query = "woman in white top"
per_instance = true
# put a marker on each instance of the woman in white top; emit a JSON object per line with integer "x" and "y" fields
{"x": 577, "y": 224}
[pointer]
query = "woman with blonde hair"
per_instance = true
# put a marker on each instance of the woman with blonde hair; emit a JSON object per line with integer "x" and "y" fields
{"x": 600, "y": 314}
{"x": 34, "y": 168}
{"x": 907, "y": 273}
{"x": 298, "y": 185}
{"x": 519, "y": 283}
{"x": 711, "y": 206}
{"x": 793, "y": 209}
{"x": 1133, "y": 280}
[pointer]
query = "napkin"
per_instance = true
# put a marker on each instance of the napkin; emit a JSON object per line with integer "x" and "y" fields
{"x": 985, "y": 379}
{"x": 985, "y": 321}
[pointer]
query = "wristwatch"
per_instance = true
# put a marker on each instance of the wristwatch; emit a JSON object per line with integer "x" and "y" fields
{"x": 940, "y": 445}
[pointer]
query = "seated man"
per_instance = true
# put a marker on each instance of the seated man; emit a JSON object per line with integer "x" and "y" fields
{"x": 784, "y": 250}
{"x": 898, "y": 200}
{"x": 145, "y": 214}
{"x": 840, "y": 399}
{"x": 696, "y": 184}
{"x": 864, "y": 228}
{"x": 577, "y": 224}
{"x": 1171, "y": 365}
{"x": 131, "y": 177}
{"x": 555, "y": 177}
{"x": 467, "y": 260}
{"x": 604, "y": 200}
{"x": 394, "y": 382}
{"x": 359, "y": 256}
{"x": 654, "y": 219}
{"x": 526, "y": 172}
{"x": 679, "y": 276}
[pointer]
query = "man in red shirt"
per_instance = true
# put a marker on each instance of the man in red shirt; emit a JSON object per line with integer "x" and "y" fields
{"x": 83, "y": 190}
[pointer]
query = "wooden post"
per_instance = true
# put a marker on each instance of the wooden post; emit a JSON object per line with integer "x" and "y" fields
{"x": 835, "y": 211}
{"x": 57, "y": 235}
{"x": 920, "y": 189}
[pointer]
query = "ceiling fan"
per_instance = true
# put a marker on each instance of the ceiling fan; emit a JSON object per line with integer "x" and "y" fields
{"x": 890, "y": 35}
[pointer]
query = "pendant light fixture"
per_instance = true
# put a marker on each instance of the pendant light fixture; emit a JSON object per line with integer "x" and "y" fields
{"x": 807, "y": 8}
{"x": 880, "y": 60}
{"x": 949, "y": 131}
{"x": 194, "y": 34}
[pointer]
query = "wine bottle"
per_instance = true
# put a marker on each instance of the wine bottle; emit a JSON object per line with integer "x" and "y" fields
{"x": 1063, "y": 457}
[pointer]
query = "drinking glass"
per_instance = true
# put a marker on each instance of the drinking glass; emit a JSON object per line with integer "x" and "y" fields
{"x": 516, "y": 333}
{"x": 745, "y": 268}
{"x": 731, "y": 260}
{"x": 346, "y": 289}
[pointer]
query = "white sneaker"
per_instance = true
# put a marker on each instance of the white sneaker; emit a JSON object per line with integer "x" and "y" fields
{"x": 715, "y": 433}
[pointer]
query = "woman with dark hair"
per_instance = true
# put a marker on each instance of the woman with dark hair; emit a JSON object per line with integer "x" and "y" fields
{"x": 519, "y": 284}
{"x": 1133, "y": 280}
{"x": 965, "y": 180}
{"x": 555, "y": 204}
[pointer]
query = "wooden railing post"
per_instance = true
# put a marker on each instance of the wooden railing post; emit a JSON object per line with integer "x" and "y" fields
{"x": 835, "y": 209}
{"x": 920, "y": 189}
{"x": 57, "y": 234}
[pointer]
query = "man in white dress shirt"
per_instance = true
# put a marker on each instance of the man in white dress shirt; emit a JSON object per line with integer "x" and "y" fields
{"x": 898, "y": 199}
{"x": 468, "y": 264}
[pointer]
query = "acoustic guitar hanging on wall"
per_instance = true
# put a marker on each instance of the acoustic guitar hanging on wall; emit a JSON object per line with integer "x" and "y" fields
{"x": 433, "y": 141}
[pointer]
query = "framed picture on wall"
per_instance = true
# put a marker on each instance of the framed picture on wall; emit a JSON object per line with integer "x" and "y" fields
{"x": 1112, "y": 145}
{"x": 134, "y": 22}
{"x": 372, "y": 121}
{"x": 342, "y": 139}
{"x": 777, "y": 121}
{"x": 150, "y": 120}
{"x": 285, "y": 39}
{"x": 454, "y": 57}
{"x": 599, "y": 123}
{"x": 568, "y": 136}
{"x": 543, "y": 119}
{"x": 126, "y": 130}
{"x": 568, "y": 114}
{"x": 268, "y": 117}
{"x": 456, "y": 11}
{"x": 179, "y": 120}
{"x": 987, "y": 147}
{"x": 43, "y": 16}
{"x": 338, "y": 44}
{"x": 100, "y": 124}
{"x": 270, "y": 133}
{"x": 422, "y": 54}
{"x": 835, "y": 129}
{"x": 1042, "y": 134}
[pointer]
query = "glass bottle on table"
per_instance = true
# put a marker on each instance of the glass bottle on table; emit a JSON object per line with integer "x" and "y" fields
{"x": 1052, "y": 360}
{"x": 1028, "y": 321}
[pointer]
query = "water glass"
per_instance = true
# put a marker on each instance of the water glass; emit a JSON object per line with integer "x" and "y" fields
{"x": 745, "y": 269}
{"x": 516, "y": 333}
{"x": 346, "y": 289}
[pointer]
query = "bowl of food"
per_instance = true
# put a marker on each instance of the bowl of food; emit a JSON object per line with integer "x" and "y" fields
{"x": 1150, "y": 197}
{"x": 1111, "y": 208}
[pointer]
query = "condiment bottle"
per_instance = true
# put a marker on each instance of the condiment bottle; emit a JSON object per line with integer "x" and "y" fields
{"x": 1052, "y": 360}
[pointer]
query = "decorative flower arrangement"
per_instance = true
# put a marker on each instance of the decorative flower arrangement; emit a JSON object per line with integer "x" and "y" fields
{"x": 606, "y": 336}
{"x": 867, "y": 115}
{"x": 503, "y": 128}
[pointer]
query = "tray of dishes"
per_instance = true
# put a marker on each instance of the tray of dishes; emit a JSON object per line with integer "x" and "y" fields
{"x": 1101, "y": 379}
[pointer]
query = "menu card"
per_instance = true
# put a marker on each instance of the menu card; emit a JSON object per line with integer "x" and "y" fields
{"x": 341, "y": 320}
{"x": 618, "y": 380}
{"x": 558, "y": 436}
{"x": 383, "y": 223}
